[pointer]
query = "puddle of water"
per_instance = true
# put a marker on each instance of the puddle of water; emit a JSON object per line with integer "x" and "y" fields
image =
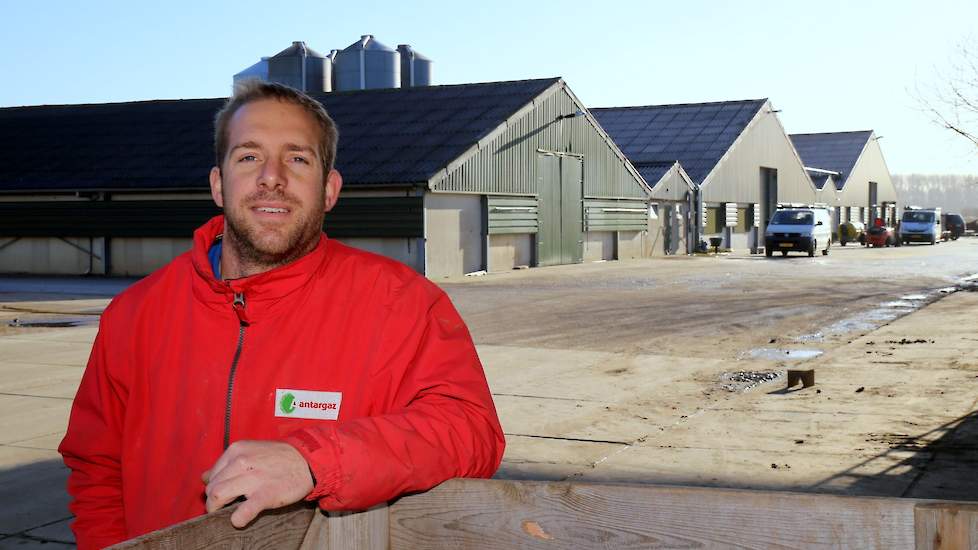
{"x": 814, "y": 337}
{"x": 888, "y": 311}
{"x": 854, "y": 324}
{"x": 776, "y": 354}
{"x": 900, "y": 304}
{"x": 883, "y": 314}
{"x": 53, "y": 322}
{"x": 870, "y": 320}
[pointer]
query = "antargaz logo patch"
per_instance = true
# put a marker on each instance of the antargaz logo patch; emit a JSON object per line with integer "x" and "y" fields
{"x": 309, "y": 404}
{"x": 287, "y": 403}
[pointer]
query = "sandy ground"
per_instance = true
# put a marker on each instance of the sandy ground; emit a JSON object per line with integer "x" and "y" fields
{"x": 628, "y": 371}
{"x": 892, "y": 413}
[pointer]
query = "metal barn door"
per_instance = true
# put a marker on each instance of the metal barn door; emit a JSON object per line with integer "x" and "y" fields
{"x": 559, "y": 233}
{"x": 571, "y": 210}
{"x": 769, "y": 195}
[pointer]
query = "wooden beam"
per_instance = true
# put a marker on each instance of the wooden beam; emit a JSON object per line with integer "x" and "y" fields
{"x": 281, "y": 529}
{"x": 496, "y": 514}
{"x": 480, "y": 514}
{"x": 349, "y": 530}
{"x": 946, "y": 526}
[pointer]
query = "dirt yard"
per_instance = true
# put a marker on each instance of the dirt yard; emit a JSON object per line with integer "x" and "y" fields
{"x": 673, "y": 370}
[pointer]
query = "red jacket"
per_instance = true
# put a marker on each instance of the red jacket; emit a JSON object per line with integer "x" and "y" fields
{"x": 339, "y": 333}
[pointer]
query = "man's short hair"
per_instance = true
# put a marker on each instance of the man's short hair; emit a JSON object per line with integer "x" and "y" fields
{"x": 251, "y": 90}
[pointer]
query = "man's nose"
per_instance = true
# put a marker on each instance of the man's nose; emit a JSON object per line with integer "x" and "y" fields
{"x": 272, "y": 174}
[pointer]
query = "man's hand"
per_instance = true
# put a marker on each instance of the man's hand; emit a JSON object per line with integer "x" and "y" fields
{"x": 270, "y": 474}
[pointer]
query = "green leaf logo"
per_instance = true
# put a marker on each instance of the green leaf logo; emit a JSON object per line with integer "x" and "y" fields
{"x": 287, "y": 403}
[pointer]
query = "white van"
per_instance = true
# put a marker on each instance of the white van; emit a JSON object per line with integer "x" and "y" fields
{"x": 921, "y": 225}
{"x": 802, "y": 229}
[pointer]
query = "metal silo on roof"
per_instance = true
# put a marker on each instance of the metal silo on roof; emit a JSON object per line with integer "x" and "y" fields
{"x": 331, "y": 58}
{"x": 258, "y": 70}
{"x": 367, "y": 64}
{"x": 415, "y": 68}
{"x": 301, "y": 67}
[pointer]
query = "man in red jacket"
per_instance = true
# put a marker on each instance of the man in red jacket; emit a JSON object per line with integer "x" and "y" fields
{"x": 271, "y": 362}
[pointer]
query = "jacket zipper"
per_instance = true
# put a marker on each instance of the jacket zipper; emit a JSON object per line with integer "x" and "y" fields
{"x": 238, "y": 305}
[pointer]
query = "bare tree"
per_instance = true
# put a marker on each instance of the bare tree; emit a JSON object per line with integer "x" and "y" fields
{"x": 952, "y": 102}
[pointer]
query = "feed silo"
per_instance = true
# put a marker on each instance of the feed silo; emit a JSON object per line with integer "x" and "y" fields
{"x": 258, "y": 70}
{"x": 415, "y": 68}
{"x": 367, "y": 64}
{"x": 331, "y": 59}
{"x": 302, "y": 68}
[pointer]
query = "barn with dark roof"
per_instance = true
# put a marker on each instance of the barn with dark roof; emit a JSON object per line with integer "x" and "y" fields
{"x": 851, "y": 174}
{"x": 736, "y": 154}
{"x": 448, "y": 179}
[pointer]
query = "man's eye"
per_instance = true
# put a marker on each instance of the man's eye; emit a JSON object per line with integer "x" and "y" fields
{"x": 301, "y": 160}
{"x": 247, "y": 158}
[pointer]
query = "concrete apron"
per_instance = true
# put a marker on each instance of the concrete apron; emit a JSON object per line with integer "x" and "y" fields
{"x": 39, "y": 374}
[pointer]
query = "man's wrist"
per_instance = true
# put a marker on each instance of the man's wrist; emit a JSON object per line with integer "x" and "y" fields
{"x": 320, "y": 452}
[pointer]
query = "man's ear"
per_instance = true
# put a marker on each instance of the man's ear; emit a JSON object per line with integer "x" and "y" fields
{"x": 216, "y": 185}
{"x": 334, "y": 182}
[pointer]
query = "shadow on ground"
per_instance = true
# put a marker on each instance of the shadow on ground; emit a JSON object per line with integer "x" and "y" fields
{"x": 936, "y": 464}
{"x": 35, "y": 506}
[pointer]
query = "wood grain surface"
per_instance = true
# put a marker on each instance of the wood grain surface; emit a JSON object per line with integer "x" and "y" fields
{"x": 366, "y": 530}
{"x": 281, "y": 529}
{"x": 947, "y": 526}
{"x": 476, "y": 514}
{"x": 496, "y": 514}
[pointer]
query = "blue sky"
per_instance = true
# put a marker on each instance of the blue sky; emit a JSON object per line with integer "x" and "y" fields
{"x": 829, "y": 65}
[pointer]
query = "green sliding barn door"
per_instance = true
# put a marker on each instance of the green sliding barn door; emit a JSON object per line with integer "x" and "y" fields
{"x": 560, "y": 235}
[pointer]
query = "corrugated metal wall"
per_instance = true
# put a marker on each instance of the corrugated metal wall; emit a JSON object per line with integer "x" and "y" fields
{"x": 672, "y": 186}
{"x": 508, "y": 163}
{"x": 870, "y": 167}
{"x": 737, "y": 177}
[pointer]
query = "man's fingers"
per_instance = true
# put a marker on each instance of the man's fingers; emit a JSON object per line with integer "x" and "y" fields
{"x": 221, "y": 493}
{"x": 269, "y": 474}
{"x": 248, "y": 511}
{"x": 222, "y": 461}
{"x": 228, "y": 467}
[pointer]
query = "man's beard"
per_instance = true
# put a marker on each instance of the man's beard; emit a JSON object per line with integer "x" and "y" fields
{"x": 265, "y": 248}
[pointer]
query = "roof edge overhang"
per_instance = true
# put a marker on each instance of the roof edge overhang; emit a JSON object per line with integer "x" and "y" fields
{"x": 822, "y": 171}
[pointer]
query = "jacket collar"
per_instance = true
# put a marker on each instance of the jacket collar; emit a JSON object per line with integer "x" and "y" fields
{"x": 261, "y": 292}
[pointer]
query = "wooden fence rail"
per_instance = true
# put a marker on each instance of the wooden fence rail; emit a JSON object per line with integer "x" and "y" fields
{"x": 468, "y": 514}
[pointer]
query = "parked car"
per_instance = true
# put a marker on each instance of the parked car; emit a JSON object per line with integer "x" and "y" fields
{"x": 919, "y": 225}
{"x": 880, "y": 235}
{"x": 851, "y": 232}
{"x": 953, "y": 225}
{"x": 799, "y": 229}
